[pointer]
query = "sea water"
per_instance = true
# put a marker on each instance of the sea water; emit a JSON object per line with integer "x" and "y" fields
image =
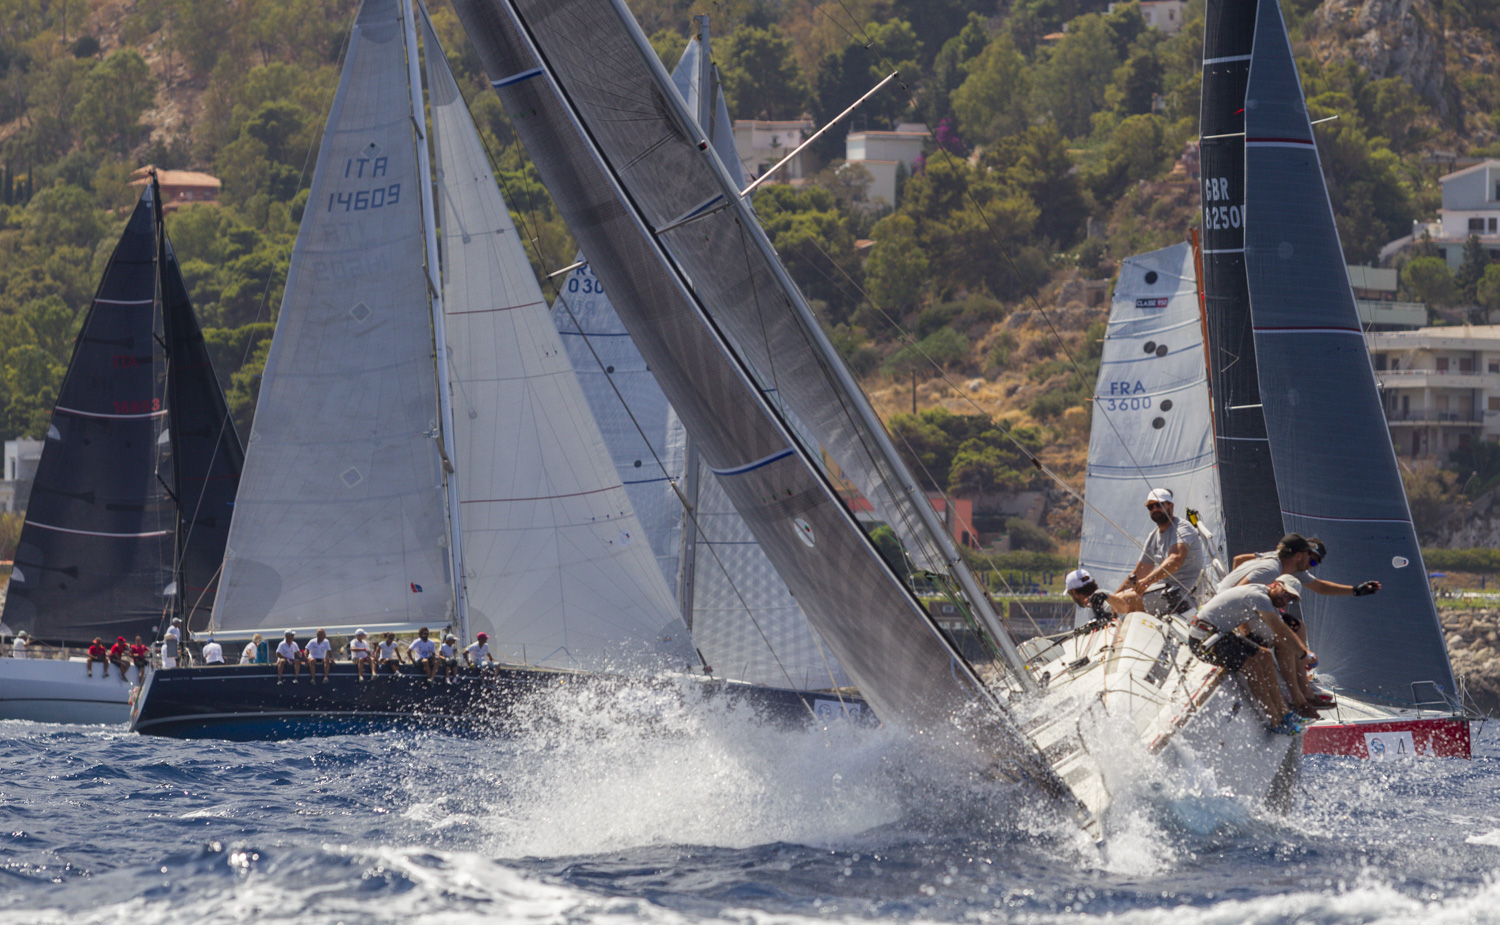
{"x": 605, "y": 809}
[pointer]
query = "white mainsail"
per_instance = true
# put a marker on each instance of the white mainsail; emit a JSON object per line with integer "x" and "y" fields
{"x": 339, "y": 518}
{"x": 1151, "y": 422}
{"x": 558, "y": 568}
{"x": 745, "y": 623}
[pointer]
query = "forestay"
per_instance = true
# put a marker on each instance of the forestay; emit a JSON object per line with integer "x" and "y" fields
{"x": 1151, "y": 422}
{"x": 559, "y": 570}
{"x": 340, "y": 515}
{"x": 1245, "y": 469}
{"x": 745, "y": 623}
{"x": 885, "y": 641}
{"x": 1336, "y": 467}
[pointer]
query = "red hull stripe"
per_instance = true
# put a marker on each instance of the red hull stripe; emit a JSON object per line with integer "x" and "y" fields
{"x": 1435, "y": 738}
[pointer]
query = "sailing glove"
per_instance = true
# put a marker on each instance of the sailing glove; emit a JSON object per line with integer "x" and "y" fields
{"x": 1368, "y": 587}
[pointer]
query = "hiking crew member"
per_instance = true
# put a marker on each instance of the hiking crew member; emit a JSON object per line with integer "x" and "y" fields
{"x": 388, "y": 655}
{"x": 97, "y": 653}
{"x": 448, "y": 653}
{"x": 171, "y": 644}
{"x": 289, "y": 653}
{"x": 1173, "y": 554}
{"x": 119, "y": 656}
{"x": 478, "y": 653}
{"x": 359, "y": 652}
{"x": 319, "y": 652}
{"x": 18, "y": 647}
{"x": 140, "y": 654}
{"x": 422, "y": 652}
{"x": 1215, "y": 641}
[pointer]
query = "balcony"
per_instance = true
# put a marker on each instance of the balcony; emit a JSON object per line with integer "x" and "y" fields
{"x": 1439, "y": 378}
{"x": 1418, "y": 416}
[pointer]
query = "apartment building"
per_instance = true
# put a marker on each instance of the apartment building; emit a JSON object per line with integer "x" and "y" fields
{"x": 1440, "y": 387}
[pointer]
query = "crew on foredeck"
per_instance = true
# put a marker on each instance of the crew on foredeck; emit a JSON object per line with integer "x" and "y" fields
{"x": 1105, "y": 606}
{"x": 1215, "y": 639}
{"x": 1171, "y": 555}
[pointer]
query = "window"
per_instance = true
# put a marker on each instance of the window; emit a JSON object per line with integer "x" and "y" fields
{"x": 1492, "y": 224}
{"x": 1380, "y": 361}
{"x": 1442, "y": 364}
{"x": 1442, "y": 403}
{"x": 1395, "y": 363}
{"x": 1475, "y": 224}
{"x": 1494, "y": 366}
{"x": 1495, "y": 402}
{"x": 1465, "y": 365}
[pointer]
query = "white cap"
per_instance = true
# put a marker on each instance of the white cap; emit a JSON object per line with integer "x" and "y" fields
{"x": 1077, "y": 579}
{"x": 1290, "y": 585}
{"x": 1164, "y": 495}
{"x": 360, "y": 633}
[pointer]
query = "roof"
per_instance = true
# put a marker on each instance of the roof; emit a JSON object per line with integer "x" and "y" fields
{"x": 1420, "y": 336}
{"x": 891, "y": 134}
{"x": 1458, "y": 173}
{"x": 178, "y": 178}
{"x": 772, "y": 124}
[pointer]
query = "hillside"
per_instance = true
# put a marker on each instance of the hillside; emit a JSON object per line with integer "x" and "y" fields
{"x": 979, "y": 292}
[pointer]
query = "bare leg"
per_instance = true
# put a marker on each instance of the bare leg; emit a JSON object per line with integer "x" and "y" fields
{"x": 1260, "y": 673}
{"x": 280, "y": 667}
{"x": 1291, "y": 670}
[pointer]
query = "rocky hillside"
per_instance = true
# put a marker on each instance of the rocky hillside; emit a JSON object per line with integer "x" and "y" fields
{"x": 1474, "y": 646}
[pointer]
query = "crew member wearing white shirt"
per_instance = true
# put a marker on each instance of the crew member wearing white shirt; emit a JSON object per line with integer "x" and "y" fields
{"x": 171, "y": 644}
{"x": 289, "y": 653}
{"x": 478, "y": 654}
{"x": 422, "y": 652}
{"x": 213, "y": 653}
{"x": 251, "y": 653}
{"x": 387, "y": 654}
{"x": 319, "y": 652}
{"x": 359, "y": 651}
{"x": 448, "y": 653}
{"x": 18, "y": 648}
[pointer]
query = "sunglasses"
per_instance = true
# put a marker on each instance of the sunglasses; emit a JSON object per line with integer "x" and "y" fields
{"x": 1312, "y": 563}
{"x": 1152, "y": 505}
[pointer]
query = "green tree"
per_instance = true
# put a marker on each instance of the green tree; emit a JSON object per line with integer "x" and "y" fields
{"x": 1472, "y": 270}
{"x": 968, "y": 221}
{"x": 814, "y": 240}
{"x": 1072, "y": 83}
{"x": 761, "y": 76}
{"x": 61, "y": 216}
{"x": 1488, "y": 288}
{"x": 991, "y": 102}
{"x": 951, "y": 67}
{"x": 1136, "y": 83}
{"x": 1037, "y": 162}
{"x": 1430, "y": 280}
{"x": 897, "y": 268}
{"x": 115, "y": 94}
{"x": 1138, "y": 149}
{"x": 31, "y": 378}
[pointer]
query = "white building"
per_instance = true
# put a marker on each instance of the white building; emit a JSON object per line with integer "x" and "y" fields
{"x": 21, "y": 459}
{"x": 1471, "y": 206}
{"x": 881, "y": 153}
{"x": 762, "y": 144}
{"x": 1165, "y": 15}
{"x": 1440, "y": 387}
{"x": 1375, "y": 293}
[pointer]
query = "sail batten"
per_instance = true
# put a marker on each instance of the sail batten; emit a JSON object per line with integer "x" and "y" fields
{"x": 1336, "y": 468}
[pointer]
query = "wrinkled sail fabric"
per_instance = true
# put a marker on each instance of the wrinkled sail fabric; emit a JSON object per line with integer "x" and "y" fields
{"x": 207, "y": 456}
{"x": 560, "y": 571}
{"x": 746, "y": 625}
{"x": 1252, "y": 522}
{"x": 885, "y": 641}
{"x": 340, "y": 519}
{"x": 1151, "y": 425}
{"x": 1336, "y": 468}
{"x": 95, "y": 556}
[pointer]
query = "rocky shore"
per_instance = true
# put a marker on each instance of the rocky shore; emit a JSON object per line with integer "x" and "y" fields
{"x": 1473, "y": 636}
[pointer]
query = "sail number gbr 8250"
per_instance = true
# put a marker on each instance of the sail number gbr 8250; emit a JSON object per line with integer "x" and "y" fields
{"x": 1219, "y": 217}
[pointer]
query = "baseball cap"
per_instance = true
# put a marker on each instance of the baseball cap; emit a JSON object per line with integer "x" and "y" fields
{"x": 1291, "y": 585}
{"x": 482, "y": 637}
{"x": 1164, "y": 495}
{"x": 360, "y": 633}
{"x": 1077, "y": 579}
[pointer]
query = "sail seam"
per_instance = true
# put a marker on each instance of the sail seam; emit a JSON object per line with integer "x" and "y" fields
{"x": 97, "y": 414}
{"x": 516, "y": 78}
{"x": 1278, "y": 142}
{"x": 574, "y": 494}
{"x": 1225, "y": 60}
{"x": 1309, "y": 330}
{"x": 1348, "y": 520}
{"x": 503, "y": 308}
{"x": 125, "y": 301}
{"x": 749, "y": 467}
{"x": 33, "y": 523}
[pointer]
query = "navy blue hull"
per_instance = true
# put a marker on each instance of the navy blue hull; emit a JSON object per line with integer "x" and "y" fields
{"x": 246, "y": 702}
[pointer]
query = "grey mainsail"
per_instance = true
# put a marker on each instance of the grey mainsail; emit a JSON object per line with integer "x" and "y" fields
{"x": 1335, "y": 465}
{"x": 745, "y": 623}
{"x": 340, "y": 517}
{"x": 1245, "y": 467}
{"x": 558, "y": 568}
{"x": 1151, "y": 423}
{"x": 550, "y": 63}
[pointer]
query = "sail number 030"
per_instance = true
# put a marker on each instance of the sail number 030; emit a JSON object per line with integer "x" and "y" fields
{"x": 588, "y": 284}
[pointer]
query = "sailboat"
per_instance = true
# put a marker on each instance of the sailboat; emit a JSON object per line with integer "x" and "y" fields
{"x": 744, "y": 622}
{"x": 131, "y": 506}
{"x": 422, "y": 454}
{"x": 744, "y": 363}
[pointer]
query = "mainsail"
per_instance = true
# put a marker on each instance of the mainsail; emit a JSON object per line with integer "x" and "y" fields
{"x": 340, "y": 518}
{"x": 1335, "y": 465}
{"x": 1252, "y": 522}
{"x": 1151, "y": 422}
{"x": 131, "y": 495}
{"x": 745, "y": 623}
{"x": 587, "y": 95}
{"x": 559, "y": 570}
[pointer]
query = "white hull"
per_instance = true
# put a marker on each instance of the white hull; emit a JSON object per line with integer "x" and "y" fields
{"x": 52, "y": 690}
{"x": 1138, "y": 678}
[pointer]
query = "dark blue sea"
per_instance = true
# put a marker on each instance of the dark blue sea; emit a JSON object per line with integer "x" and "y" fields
{"x": 598, "y": 816}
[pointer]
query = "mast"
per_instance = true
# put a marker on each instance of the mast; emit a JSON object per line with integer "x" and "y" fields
{"x": 440, "y": 340}
{"x": 174, "y": 491}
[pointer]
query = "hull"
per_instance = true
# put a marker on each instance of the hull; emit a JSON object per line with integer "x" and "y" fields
{"x": 54, "y": 690}
{"x": 1357, "y": 729}
{"x": 245, "y": 702}
{"x": 1139, "y": 680}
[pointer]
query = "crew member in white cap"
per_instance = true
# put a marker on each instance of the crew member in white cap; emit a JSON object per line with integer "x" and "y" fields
{"x": 1105, "y": 606}
{"x": 1172, "y": 554}
{"x": 359, "y": 653}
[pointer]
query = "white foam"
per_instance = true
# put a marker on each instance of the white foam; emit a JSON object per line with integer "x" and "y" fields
{"x": 1491, "y": 838}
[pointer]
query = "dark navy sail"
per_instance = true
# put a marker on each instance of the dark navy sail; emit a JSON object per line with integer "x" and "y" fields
{"x": 1252, "y": 513}
{"x": 98, "y": 552}
{"x": 207, "y": 454}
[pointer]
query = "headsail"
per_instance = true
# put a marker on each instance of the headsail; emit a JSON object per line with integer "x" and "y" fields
{"x": 745, "y": 622}
{"x": 1151, "y": 421}
{"x": 96, "y": 554}
{"x": 1336, "y": 467}
{"x": 1245, "y": 469}
{"x": 340, "y": 514}
{"x": 559, "y": 568}
{"x": 586, "y": 151}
